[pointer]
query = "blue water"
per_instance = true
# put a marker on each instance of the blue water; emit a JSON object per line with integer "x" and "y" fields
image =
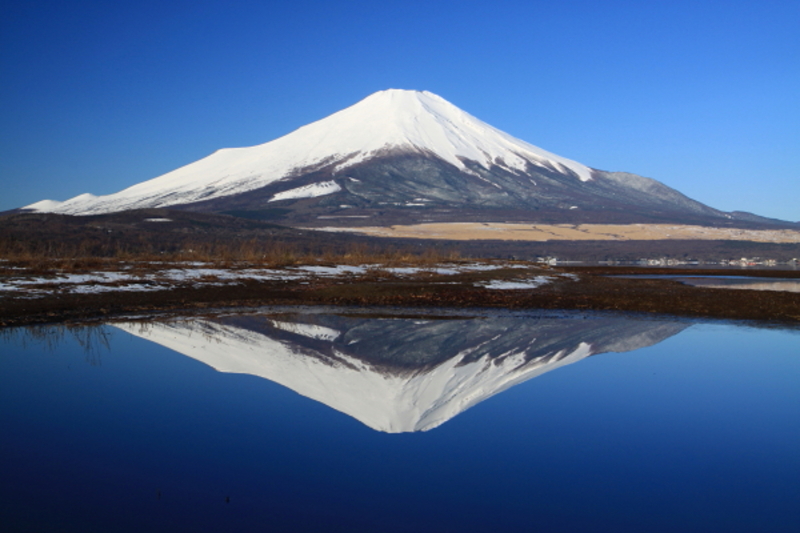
{"x": 734, "y": 282}
{"x": 699, "y": 432}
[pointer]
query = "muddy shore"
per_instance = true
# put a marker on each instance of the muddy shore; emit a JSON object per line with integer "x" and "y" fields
{"x": 578, "y": 288}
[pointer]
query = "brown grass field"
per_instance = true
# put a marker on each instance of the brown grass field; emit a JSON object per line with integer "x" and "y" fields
{"x": 53, "y": 247}
{"x": 461, "y": 231}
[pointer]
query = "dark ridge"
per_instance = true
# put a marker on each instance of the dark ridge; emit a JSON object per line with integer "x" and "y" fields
{"x": 407, "y": 188}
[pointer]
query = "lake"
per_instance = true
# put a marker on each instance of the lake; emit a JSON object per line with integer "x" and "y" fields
{"x": 728, "y": 282}
{"x": 314, "y": 419}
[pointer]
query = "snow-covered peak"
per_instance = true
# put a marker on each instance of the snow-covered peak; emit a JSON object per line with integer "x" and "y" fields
{"x": 386, "y": 120}
{"x": 423, "y": 120}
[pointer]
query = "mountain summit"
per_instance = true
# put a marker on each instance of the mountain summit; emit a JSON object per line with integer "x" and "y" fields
{"x": 401, "y": 156}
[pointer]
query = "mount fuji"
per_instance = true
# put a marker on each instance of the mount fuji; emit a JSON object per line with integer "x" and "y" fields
{"x": 403, "y": 156}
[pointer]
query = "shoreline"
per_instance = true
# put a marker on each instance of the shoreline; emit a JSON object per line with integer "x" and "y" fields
{"x": 505, "y": 285}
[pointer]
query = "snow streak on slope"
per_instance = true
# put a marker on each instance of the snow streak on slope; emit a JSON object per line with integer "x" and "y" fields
{"x": 387, "y": 120}
{"x": 308, "y": 191}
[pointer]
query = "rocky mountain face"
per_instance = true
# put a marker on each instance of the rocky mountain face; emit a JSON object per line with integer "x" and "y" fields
{"x": 402, "y": 157}
{"x": 404, "y": 188}
{"x": 399, "y": 374}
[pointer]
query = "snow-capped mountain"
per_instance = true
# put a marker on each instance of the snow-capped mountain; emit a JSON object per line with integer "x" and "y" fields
{"x": 398, "y": 154}
{"x": 397, "y": 374}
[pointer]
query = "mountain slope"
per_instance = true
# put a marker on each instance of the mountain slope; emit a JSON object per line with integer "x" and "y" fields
{"x": 401, "y": 154}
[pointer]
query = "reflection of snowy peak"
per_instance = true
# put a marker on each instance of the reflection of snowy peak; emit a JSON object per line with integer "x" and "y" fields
{"x": 397, "y": 375}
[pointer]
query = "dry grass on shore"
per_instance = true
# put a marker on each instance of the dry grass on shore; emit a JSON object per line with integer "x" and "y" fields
{"x": 66, "y": 258}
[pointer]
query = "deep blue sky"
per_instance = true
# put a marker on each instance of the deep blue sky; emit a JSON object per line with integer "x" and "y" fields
{"x": 701, "y": 95}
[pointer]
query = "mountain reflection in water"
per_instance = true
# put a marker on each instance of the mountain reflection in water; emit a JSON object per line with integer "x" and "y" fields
{"x": 398, "y": 374}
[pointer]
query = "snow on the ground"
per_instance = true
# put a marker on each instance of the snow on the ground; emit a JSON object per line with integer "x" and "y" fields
{"x": 154, "y": 280}
{"x": 333, "y": 271}
{"x": 161, "y": 276}
{"x": 538, "y": 281}
{"x": 133, "y": 287}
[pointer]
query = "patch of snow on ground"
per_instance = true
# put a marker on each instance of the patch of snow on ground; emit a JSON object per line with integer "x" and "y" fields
{"x": 449, "y": 271}
{"x": 134, "y": 287}
{"x": 445, "y": 271}
{"x": 151, "y": 281}
{"x": 198, "y": 274}
{"x": 404, "y": 271}
{"x": 333, "y": 271}
{"x": 69, "y": 279}
{"x": 516, "y": 285}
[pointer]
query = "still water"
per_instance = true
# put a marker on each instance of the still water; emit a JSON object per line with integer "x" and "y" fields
{"x": 321, "y": 420}
{"x": 728, "y": 282}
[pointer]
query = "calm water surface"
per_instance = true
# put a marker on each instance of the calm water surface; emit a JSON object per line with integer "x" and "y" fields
{"x": 298, "y": 420}
{"x": 728, "y": 282}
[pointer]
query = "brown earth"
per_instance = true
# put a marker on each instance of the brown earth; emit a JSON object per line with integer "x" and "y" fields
{"x": 197, "y": 236}
{"x": 591, "y": 289}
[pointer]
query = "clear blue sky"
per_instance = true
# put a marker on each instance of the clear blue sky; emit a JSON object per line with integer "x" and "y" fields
{"x": 701, "y": 95}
